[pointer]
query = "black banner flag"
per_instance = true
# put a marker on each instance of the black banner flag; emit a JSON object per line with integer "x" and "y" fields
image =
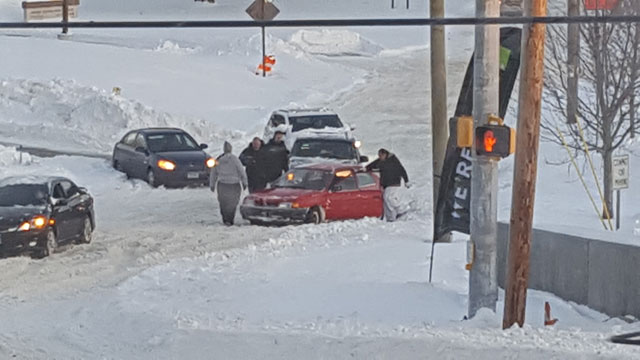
{"x": 454, "y": 200}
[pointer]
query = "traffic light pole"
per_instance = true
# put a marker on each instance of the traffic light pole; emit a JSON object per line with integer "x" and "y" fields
{"x": 525, "y": 172}
{"x": 483, "y": 279}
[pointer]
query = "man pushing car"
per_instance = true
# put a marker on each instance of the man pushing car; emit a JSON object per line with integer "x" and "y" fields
{"x": 391, "y": 175}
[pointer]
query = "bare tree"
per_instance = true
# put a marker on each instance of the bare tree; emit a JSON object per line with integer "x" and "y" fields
{"x": 609, "y": 81}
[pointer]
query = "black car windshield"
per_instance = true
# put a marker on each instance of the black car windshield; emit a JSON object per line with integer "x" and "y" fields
{"x": 304, "y": 179}
{"x": 171, "y": 142}
{"x": 323, "y": 148}
{"x": 299, "y": 123}
{"x": 23, "y": 195}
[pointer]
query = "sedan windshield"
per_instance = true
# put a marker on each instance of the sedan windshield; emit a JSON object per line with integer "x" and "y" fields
{"x": 304, "y": 179}
{"x": 323, "y": 148}
{"x": 171, "y": 142}
{"x": 23, "y": 195}
{"x": 299, "y": 123}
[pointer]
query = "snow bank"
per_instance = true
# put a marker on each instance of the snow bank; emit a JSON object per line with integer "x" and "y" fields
{"x": 63, "y": 115}
{"x": 334, "y": 43}
{"x": 171, "y": 47}
{"x": 10, "y": 156}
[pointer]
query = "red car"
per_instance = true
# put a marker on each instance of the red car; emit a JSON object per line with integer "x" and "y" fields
{"x": 316, "y": 193}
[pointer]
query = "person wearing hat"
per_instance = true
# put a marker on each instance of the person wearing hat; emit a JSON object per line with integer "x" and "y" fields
{"x": 229, "y": 178}
{"x": 253, "y": 160}
{"x": 276, "y": 157}
{"x": 391, "y": 175}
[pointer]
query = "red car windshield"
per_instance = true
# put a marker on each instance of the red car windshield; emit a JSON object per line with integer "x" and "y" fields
{"x": 308, "y": 179}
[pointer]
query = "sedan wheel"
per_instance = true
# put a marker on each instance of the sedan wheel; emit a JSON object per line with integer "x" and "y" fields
{"x": 87, "y": 232}
{"x": 316, "y": 216}
{"x": 151, "y": 178}
{"x": 51, "y": 245}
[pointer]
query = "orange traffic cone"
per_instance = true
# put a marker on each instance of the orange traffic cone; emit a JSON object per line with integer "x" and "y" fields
{"x": 548, "y": 321}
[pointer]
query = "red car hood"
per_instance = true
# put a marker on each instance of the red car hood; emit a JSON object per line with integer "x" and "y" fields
{"x": 278, "y": 195}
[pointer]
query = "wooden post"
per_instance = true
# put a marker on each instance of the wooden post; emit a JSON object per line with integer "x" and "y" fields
{"x": 526, "y": 160}
{"x": 439, "y": 122}
{"x": 65, "y": 16}
{"x": 573, "y": 62}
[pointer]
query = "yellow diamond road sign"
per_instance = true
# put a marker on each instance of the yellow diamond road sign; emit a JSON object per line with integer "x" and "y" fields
{"x": 262, "y": 10}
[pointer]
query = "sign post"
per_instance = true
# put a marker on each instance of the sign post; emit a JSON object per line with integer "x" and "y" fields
{"x": 620, "y": 178}
{"x": 263, "y": 10}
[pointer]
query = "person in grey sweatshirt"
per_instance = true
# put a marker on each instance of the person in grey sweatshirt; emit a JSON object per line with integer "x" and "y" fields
{"x": 229, "y": 178}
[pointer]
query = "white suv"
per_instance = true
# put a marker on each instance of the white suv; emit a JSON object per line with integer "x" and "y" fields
{"x": 306, "y": 123}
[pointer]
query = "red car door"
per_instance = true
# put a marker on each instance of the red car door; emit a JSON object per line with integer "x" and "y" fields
{"x": 342, "y": 198}
{"x": 370, "y": 195}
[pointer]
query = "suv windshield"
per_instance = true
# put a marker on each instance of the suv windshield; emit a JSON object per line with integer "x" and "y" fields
{"x": 332, "y": 149}
{"x": 23, "y": 195}
{"x": 171, "y": 142}
{"x": 304, "y": 179}
{"x": 299, "y": 123}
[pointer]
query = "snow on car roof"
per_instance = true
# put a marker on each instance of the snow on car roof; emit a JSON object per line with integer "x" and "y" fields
{"x": 309, "y": 112}
{"x": 31, "y": 179}
{"x": 332, "y": 166}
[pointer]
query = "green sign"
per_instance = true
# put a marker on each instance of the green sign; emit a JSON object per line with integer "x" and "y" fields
{"x": 505, "y": 54}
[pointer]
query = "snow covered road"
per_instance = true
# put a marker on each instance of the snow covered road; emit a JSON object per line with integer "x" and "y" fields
{"x": 170, "y": 282}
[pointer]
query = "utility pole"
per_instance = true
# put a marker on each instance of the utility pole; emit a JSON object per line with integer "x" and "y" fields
{"x": 525, "y": 171}
{"x": 65, "y": 16}
{"x": 264, "y": 45}
{"x": 483, "y": 278}
{"x": 439, "y": 123}
{"x": 573, "y": 62}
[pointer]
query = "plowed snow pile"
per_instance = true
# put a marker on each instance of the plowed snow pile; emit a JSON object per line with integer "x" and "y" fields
{"x": 10, "y": 156}
{"x": 334, "y": 43}
{"x": 63, "y": 115}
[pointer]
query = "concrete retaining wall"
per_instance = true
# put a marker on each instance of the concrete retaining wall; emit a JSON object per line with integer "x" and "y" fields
{"x": 604, "y": 276}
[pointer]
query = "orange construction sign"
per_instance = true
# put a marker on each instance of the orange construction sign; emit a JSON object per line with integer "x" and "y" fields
{"x": 269, "y": 61}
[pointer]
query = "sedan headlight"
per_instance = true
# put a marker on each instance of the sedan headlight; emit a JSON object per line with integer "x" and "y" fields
{"x": 211, "y": 163}
{"x": 285, "y": 205}
{"x": 166, "y": 165}
{"x": 38, "y": 222}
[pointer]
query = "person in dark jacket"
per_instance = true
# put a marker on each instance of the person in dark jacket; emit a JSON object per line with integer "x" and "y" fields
{"x": 253, "y": 160}
{"x": 391, "y": 175}
{"x": 276, "y": 157}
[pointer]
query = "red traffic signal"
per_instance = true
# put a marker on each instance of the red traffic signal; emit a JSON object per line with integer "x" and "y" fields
{"x": 495, "y": 141}
{"x": 600, "y": 4}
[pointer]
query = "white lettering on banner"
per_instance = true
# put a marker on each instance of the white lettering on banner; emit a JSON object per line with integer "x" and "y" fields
{"x": 464, "y": 169}
{"x": 466, "y": 154}
{"x": 461, "y": 193}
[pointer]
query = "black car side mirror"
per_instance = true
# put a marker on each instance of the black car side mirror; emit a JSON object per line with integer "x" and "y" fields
{"x": 204, "y": 146}
{"x": 364, "y": 159}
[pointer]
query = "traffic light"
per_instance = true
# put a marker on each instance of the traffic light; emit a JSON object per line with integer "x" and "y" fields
{"x": 495, "y": 141}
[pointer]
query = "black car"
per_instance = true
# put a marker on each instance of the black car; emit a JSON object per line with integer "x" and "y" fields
{"x": 39, "y": 213}
{"x": 163, "y": 156}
